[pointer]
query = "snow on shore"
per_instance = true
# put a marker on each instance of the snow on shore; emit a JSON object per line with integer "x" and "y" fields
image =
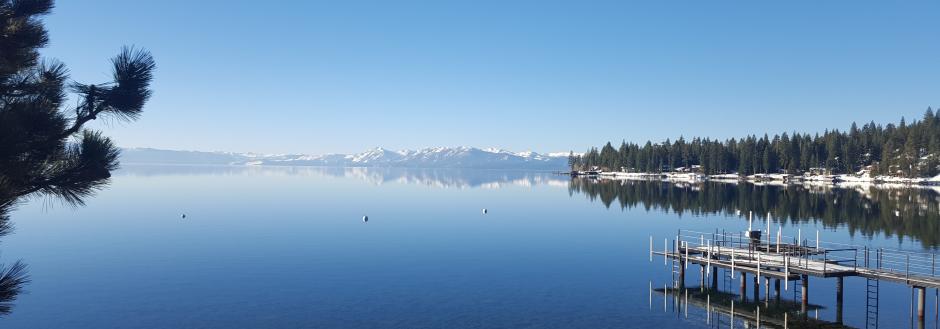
{"x": 776, "y": 179}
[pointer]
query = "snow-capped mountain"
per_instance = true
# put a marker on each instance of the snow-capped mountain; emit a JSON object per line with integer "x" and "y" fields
{"x": 436, "y": 157}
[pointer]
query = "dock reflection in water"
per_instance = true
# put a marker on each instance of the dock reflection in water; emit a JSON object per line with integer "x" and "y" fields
{"x": 718, "y": 309}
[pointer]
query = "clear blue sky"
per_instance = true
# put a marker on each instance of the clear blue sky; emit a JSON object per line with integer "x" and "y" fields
{"x": 317, "y": 77}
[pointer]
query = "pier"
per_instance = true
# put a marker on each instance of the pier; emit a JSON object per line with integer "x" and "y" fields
{"x": 793, "y": 260}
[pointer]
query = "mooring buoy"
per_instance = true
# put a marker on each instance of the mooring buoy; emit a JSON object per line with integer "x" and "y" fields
{"x": 365, "y": 219}
{"x": 183, "y": 216}
{"x": 484, "y": 211}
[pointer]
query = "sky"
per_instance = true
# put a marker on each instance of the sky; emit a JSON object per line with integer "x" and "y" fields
{"x": 344, "y": 76}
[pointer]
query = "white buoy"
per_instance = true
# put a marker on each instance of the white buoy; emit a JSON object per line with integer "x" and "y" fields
{"x": 365, "y": 219}
{"x": 484, "y": 211}
{"x": 183, "y": 216}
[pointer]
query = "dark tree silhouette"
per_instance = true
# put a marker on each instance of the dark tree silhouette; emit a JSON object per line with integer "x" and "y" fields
{"x": 45, "y": 149}
{"x": 904, "y": 150}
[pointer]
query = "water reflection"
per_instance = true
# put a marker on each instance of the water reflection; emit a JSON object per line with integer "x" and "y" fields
{"x": 865, "y": 209}
{"x": 718, "y": 309}
{"x": 443, "y": 178}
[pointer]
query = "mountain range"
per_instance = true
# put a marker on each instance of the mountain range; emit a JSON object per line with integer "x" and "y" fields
{"x": 436, "y": 157}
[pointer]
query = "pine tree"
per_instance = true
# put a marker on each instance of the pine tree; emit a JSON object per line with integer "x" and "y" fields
{"x": 608, "y": 157}
{"x": 44, "y": 149}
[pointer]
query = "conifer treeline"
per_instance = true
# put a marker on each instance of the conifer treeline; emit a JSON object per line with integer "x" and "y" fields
{"x": 905, "y": 149}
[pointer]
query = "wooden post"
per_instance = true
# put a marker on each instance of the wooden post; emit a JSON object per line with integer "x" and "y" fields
{"x": 702, "y": 275}
{"x": 686, "y": 244}
{"x": 767, "y": 288}
{"x": 805, "y": 290}
{"x": 732, "y": 264}
{"x": 665, "y": 251}
{"x": 777, "y": 290}
{"x": 756, "y": 288}
{"x": 743, "y": 285}
{"x": 921, "y": 301}
{"x": 715, "y": 277}
{"x": 682, "y": 272}
{"x": 839, "y": 288}
{"x": 708, "y": 260}
{"x": 758, "y": 267}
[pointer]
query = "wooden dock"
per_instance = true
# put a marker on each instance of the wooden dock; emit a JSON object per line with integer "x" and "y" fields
{"x": 786, "y": 259}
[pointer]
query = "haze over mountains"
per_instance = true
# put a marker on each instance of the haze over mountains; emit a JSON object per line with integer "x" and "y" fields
{"x": 437, "y": 157}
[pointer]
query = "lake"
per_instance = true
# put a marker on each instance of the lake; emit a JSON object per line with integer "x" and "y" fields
{"x": 287, "y": 247}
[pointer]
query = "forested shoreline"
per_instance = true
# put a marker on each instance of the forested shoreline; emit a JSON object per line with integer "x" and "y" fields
{"x": 903, "y": 149}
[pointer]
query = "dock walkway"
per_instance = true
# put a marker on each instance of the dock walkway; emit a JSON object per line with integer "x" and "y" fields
{"x": 789, "y": 260}
{"x": 786, "y": 259}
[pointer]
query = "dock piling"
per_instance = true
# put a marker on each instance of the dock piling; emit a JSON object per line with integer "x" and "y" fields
{"x": 665, "y": 251}
{"x": 732, "y": 265}
{"x": 743, "y": 286}
{"x": 777, "y": 290}
{"x": 686, "y": 255}
{"x": 702, "y": 277}
{"x": 715, "y": 278}
{"x": 839, "y": 289}
{"x": 921, "y": 303}
{"x": 804, "y": 280}
{"x": 756, "y": 288}
{"x": 767, "y": 288}
{"x": 682, "y": 265}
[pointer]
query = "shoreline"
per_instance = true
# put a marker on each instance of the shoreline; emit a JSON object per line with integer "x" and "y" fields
{"x": 773, "y": 179}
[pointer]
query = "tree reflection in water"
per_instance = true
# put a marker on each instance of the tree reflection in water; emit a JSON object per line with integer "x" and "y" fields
{"x": 910, "y": 212}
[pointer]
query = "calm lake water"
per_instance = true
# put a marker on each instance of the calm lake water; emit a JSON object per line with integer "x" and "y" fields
{"x": 287, "y": 247}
